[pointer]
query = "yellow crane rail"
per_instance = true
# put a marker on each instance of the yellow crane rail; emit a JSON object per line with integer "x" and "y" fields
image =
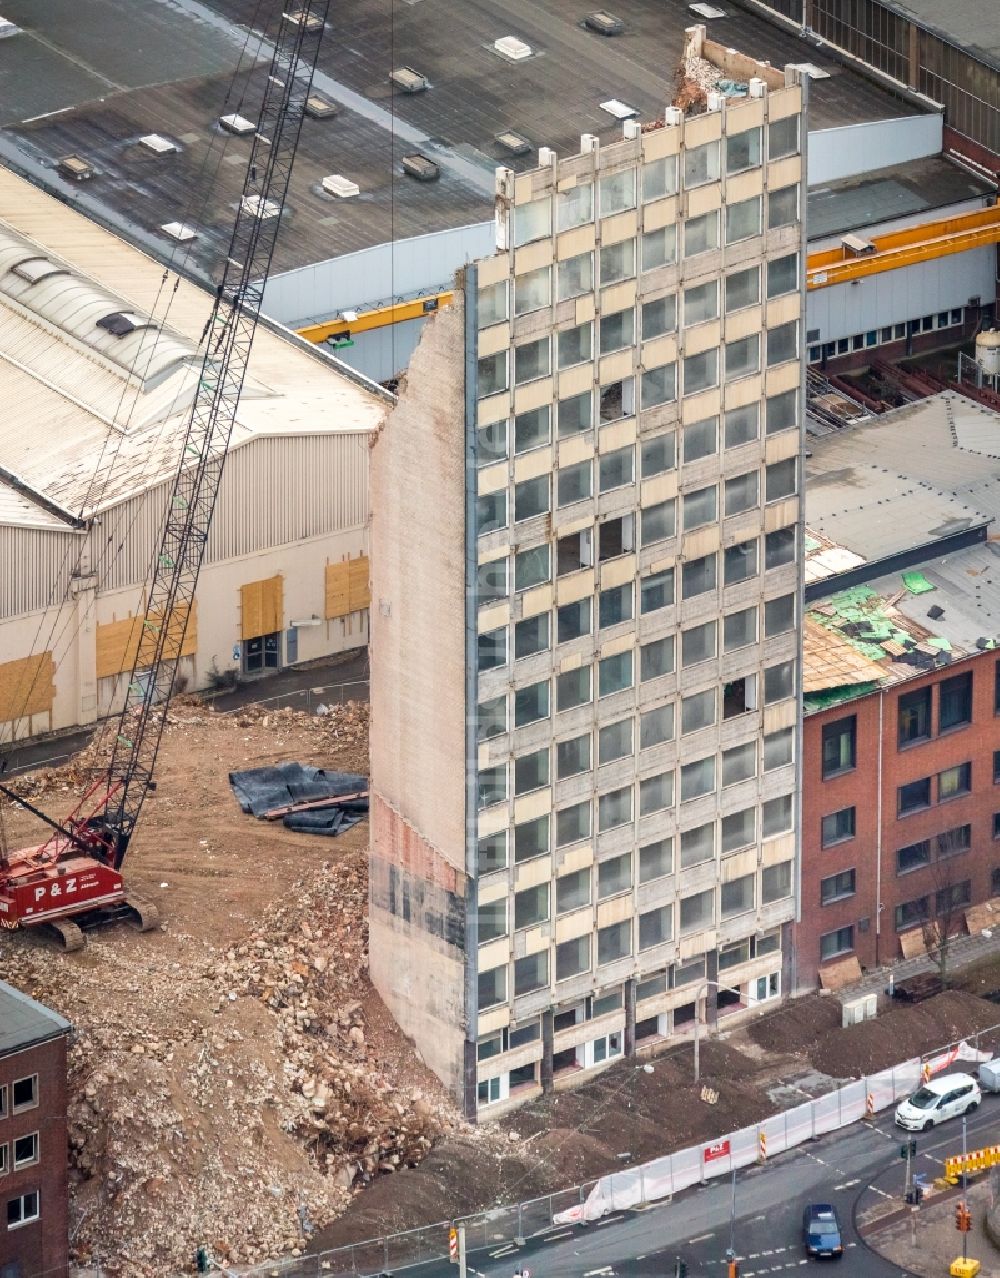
{"x": 380, "y": 317}
{"x": 914, "y": 244}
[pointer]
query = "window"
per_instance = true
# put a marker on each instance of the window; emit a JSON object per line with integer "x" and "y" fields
{"x": 531, "y": 567}
{"x": 573, "y": 756}
{"x": 25, "y": 1150}
{"x": 656, "y": 591}
{"x": 738, "y": 830}
{"x": 656, "y": 658}
{"x": 783, "y": 275}
{"x": 776, "y": 816}
{"x": 531, "y": 635}
{"x": 492, "y": 987}
{"x": 699, "y": 643}
{"x": 743, "y": 220}
{"x": 955, "y": 708}
{"x": 775, "y": 884}
{"x": 656, "y": 793}
{"x": 574, "y": 345}
{"x": 659, "y": 248}
{"x": 575, "y": 207}
{"x": 614, "y": 809}
{"x": 701, "y": 439}
{"x": 698, "y": 711}
{"x": 659, "y": 178}
{"x": 617, "y": 192}
{"x": 614, "y": 942}
{"x": 914, "y": 716}
{"x": 782, "y": 207}
{"x": 953, "y": 782}
{"x": 698, "y": 576}
{"x": 657, "y": 523}
{"x": 782, "y": 343}
{"x": 701, "y": 371}
{"x": 834, "y": 943}
{"x": 740, "y": 562}
{"x": 697, "y": 911}
{"x": 739, "y": 629}
{"x": 491, "y": 581}
{"x": 742, "y": 289}
{"x": 532, "y": 221}
{"x": 573, "y": 688}
{"x": 531, "y": 973}
{"x": 700, "y": 508}
{"x": 659, "y": 316}
{"x": 22, "y": 1210}
{"x": 659, "y": 385}
{"x": 779, "y": 682}
{"x": 573, "y": 620}
{"x": 532, "y": 290}
{"x": 783, "y": 138}
{"x": 492, "y": 649}
{"x": 614, "y": 876}
{"x": 836, "y": 827}
{"x": 778, "y": 749}
{"x": 954, "y": 896}
{"x": 617, "y": 400}
{"x": 742, "y": 357}
{"x": 492, "y": 374}
{"x": 491, "y": 513}
{"x": 492, "y": 785}
{"x": 701, "y": 302}
{"x": 572, "y": 891}
{"x": 914, "y": 796}
{"x": 617, "y": 468}
{"x": 655, "y": 860}
{"x": 614, "y": 673}
{"x": 779, "y": 615}
{"x": 491, "y": 721}
{"x": 531, "y": 498}
{"x": 701, "y": 233}
{"x": 779, "y": 547}
{"x": 952, "y": 842}
{"x": 617, "y": 330}
{"x": 531, "y": 906}
{"x": 697, "y": 845}
{"x": 532, "y": 429}
{"x": 615, "y": 605}
{"x": 531, "y": 839}
{"x": 836, "y": 887}
{"x": 742, "y": 426}
{"x": 701, "y": 164}
{"x": 913, "y": 856}
{"x": 572, "y": 824}
{"x": 493, "y": 852}
{"x": 572, "y": 957}
{"x": 575, "y": 276}
{"x": 656, "y": 726}
{"x": 492, "y": 304}
{"x": 617, "y": 262}
{"x": 782, "y": 412}
{"x": 733, "y": 955}
{"x": 737, "y": 896}
{"x": 615, "y": 741}
{"x": 743, "y": 151}
{"x": 655, "y": 927}
{"x": 697, "y": 778}
{"x": 839, "y": 746}
{"x": 574, "y": 483}
{"x": 575, "y": 414}
{"x": 911, "y": 913}
{"x": 531, "y": 771}
{"x": 739, "y": 763}
{"x": 492, "y": 921}
{"x": 491, "y": 444}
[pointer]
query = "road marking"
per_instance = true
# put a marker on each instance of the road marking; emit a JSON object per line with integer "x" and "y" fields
{"x": 847, "y": 1184}
{"x": 875, "y": 1190}
{"x": 595, "y": 1273}
{"x": 701, "y": 1238}
{"x": 504, "y": 1251}
{"x": 642, "y": 1257}
{"x": 566, "y": 1233}
{"x": 609, "y": 1220}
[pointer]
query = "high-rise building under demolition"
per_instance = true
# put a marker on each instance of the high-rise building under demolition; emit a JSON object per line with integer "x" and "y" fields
{"x": 586, "y": 576}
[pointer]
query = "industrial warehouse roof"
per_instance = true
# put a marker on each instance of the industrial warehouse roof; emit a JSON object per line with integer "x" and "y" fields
{"x": 973, "y": 25}
{"x": 25, "y": 1023}
{"x": 94, "y": 80}
{"x": 101, "y": 345}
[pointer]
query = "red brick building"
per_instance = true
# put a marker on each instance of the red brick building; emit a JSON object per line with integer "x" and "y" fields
{"x": 33, "y": 1139}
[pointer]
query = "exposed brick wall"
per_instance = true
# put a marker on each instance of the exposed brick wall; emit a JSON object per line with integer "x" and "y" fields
{"x": 974, "y": 743}
{"x": 42, "y": 1247}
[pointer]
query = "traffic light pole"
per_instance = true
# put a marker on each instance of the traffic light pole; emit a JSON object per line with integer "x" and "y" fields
{"x": 965, "y": 1197}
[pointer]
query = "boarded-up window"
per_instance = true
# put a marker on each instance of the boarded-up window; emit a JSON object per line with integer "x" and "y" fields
{"x": 119, "y": 641}
{"x": 27, "y": 686}
{"x": 347, "y": 588}
{"x": 262, "y": 607}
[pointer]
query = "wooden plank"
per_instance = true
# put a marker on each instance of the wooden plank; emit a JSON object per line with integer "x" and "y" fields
{"x": 119, "y": 641}
{"x": 27, "y": 686}
{"x": 358, "y": 584}
{"x": 272, "y": 604}
{"x": 338, "y": 590}
{"x": 272, "y": 814}
{"x": 836, "y": 976}
{"x": 913, "y": 943}
{"x": 979, "y": 917}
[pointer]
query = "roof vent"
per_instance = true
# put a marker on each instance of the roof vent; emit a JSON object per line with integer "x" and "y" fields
{"x": 513, "y": 143}
{"x": 336, "y": 184}
{"x": 604, "y": 23}
{"x": 237, "y": 124}
{"x": 257, "y": 206}
{"x": 311, "y": 22}
{"x": 179, "y": 231}
{"x": 513, "y": 48}
{"x": 320, "y": 108}
{"x": 620, "y": 110}
{"x": 33, "y": 269}
{"x": 75, "y": 167}
{"x": 121, "y": 323}
{"x": 707, "y": 10}
{"x": 408, "y": 80}
{"x": 155, "y": 142}
{"x": 420, "y": 167}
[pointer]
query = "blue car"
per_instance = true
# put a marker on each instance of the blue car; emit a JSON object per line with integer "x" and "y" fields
{"x": 821, "y": 1231}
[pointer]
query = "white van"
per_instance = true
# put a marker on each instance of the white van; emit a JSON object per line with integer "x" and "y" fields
{"x": 938, "y": 1099}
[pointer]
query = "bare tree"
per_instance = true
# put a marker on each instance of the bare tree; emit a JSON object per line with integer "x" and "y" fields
{"x": 946, "y": 909}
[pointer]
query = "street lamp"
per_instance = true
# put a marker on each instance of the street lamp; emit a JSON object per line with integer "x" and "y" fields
{"x": 703, "y": 989}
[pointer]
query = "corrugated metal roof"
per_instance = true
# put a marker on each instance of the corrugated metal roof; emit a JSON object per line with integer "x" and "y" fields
{"x": 23, "y": 1022}
{"x": 111, "y": 431}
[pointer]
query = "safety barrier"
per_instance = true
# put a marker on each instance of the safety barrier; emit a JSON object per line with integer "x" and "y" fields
{"x": 977, "y": 1160}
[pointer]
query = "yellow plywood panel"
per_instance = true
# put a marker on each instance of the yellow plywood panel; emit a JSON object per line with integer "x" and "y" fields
{"x": 118, "y": 642}
{"x": 262, "y": 607}
{"x": 347, "y": 587}
{"x": 27, "y": 686}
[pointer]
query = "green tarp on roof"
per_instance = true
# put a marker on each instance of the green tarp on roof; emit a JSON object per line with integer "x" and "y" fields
{"x": 916, "y": 583}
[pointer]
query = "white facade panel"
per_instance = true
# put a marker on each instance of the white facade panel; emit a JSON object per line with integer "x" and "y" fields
{"x": 852, "y": 149}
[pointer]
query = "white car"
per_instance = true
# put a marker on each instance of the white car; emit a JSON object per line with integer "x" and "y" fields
{"x": 938, "y": 1099}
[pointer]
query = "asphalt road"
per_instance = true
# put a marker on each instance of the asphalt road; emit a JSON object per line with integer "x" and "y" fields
{"x": 857, "y": 1169}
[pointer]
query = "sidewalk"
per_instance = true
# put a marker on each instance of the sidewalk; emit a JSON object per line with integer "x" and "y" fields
{"x": 963, "y": 952}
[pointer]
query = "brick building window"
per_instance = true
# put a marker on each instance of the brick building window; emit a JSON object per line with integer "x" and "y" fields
{"x": 913, "y": 796}
{"x": 839, "y": 746}
{"x": 996, "y": 689}
{"x": 954, "y": 896}
{"x": 4, "y": 1169}
{"x": 26, "y": 1151}
{"x": 836, "y": 887}
{"x": 913, "y": 856}
{"x": 832, "y": 944}
{"x": 955, "y": 709}
{"x": 996, "y": 767}
{"x": 838, "y": 826}
{"x": 3, "y": 1102}
{"x": 954, "y": 782}
{"x": 24, "y": 1093}
{"x": 23, "y": 1210}
{"x": 952, "y": 842}
{"x": 914, "y": 717}
{"x": 996, "y": 825}
{"x": 910, "y": 913}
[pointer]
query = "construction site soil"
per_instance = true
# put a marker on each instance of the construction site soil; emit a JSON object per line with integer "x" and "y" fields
{"x": 236, "y": 1082}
